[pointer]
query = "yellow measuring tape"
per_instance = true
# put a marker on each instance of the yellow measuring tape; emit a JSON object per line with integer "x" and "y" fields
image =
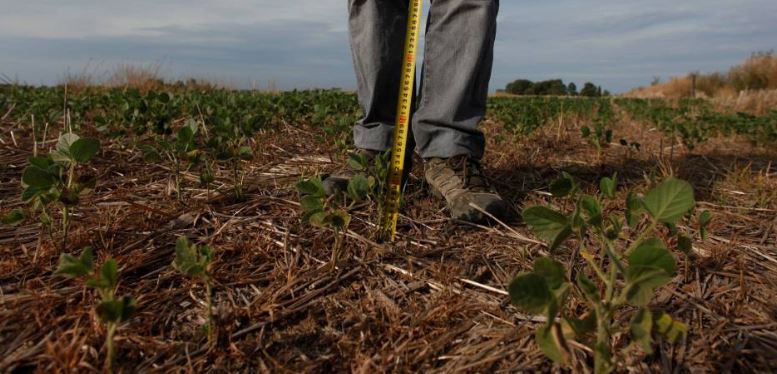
{"x": 402, "y": 126}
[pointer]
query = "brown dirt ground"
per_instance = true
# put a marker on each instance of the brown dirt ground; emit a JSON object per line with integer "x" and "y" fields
{"x": 431, "y": 302}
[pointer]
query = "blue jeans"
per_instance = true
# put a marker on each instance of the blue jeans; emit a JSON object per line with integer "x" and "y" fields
{"x": 458, "y": 58}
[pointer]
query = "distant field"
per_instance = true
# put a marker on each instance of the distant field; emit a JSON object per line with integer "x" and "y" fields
{"x": 434, "y": 301}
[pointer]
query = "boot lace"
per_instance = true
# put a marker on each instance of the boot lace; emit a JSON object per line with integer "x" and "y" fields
{"x": 470, "y": 172}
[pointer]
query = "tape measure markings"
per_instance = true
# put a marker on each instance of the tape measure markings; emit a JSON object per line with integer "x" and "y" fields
{"x": 399, "y": 148}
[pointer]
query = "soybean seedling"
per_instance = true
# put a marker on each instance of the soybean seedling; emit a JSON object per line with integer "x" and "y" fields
{"x": 228, "y": 143}
{"x": 111, "y": 310}
{"x": 320, "y": 211}
{"x": 195, "y": 262}
{"x": 599, "y": 137}
{"x": 53, "y": 179}
{"x": 181, "y": 148}
{"x": 626, "y": 275}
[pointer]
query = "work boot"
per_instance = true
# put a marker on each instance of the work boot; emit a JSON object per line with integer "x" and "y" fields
{"x": 338, "y": 181}
{"x": 460, "y": 181}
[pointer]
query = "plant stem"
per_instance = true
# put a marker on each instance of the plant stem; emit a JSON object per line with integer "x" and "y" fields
{"x": 65, "y": 225}
{"x": 642, "y": 236}
{"x": 209, "y": 302}
{"x": 178, "y": 178}
{"x": 603, "y": 321}
{"x": 611, "y": 283}
{"x": 336, "y": 250}
{"x": 598, "y": 270}
{"x": 109, "y": 361}
{"x": 609, "y": 250}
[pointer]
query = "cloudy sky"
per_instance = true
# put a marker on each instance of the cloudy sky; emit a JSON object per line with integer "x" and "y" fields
{"x": 619, "y": 44}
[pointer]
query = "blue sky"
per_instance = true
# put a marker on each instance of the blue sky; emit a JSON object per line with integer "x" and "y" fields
{"x": 619, "y": 44}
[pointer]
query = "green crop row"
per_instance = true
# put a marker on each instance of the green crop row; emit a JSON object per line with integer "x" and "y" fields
{"x": 118, "y": 112}
{"x": 695, "y": 121}
{"x": 131, "y": 112}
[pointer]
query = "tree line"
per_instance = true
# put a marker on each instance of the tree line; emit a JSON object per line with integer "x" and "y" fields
{"x": 554, "y": 87}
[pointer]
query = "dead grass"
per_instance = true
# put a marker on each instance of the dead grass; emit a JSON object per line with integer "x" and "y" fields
{"x": 428, "y": 303}
{"x": 146, "y": 77}
{"x": 750, "y": 86}
{"x": 755, "y": 102}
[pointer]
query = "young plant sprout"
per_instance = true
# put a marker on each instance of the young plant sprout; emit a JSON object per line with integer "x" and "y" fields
{"x": 111, "y": 310}
{"x": 319, "y": 211}
{"x": 370, "y": 181}
{"x": 181, "y": 148}
{"x": 195, "y": 262}
{"x": 235, "y": 151}
{"x": 53, "y": 179}
{"x": 206, "y": 176}
{"x": 13, "y": 217}
{"x": 625, "y": 279}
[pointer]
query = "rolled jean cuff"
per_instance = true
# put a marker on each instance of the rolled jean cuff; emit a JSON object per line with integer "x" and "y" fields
{"x": 447, "y": 144}
{"x": 373, "y": 137}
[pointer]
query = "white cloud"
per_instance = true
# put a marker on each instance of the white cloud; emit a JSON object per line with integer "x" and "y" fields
{"x": 88, "y": 18}
{"x": 303, "y": 43}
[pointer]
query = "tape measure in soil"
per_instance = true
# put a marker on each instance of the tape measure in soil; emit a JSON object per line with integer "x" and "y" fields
{"x": 402, "y": 126}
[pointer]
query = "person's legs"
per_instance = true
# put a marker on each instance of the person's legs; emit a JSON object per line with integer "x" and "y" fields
{"x": 458, "y": 58}
{"x": 377, "y": 31}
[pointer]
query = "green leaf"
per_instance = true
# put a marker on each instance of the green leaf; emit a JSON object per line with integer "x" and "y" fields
{"x": 530, "y": 292}
{"x": 582, "y": 327}
{"x": 649, "y": 255}
{"x": 585, "y": 131}
{"x": 43, "y": 162}
{"x": 311, "y": 204}
{"x": 246, "y": 153}
{"x": 84, "y": 183}
{"x": 593, "y": 210}
{"x": 31, "y": 193}
{"x": 116, "y": 310}
{"x": 588, "y": 287}
{"x": 549, "y": 343}
{"x": 551, "y": 270}
{"x": 670, "y": 200}
{"x": 165, "y": 97}
{"x": 110, "y": 273}
{"x": 82, "y": 150}
{"x": 607, "y": 186}
{"x": 634, "y": 209}
{"x": 184, "y": 138}
{"x": 36, "y": 177}
{"x": 65, "y": 142}
{"x": 671, "y": 329}
{"x": 551, "y": 226}
{"x": 563, "y": 186}
{"x": 704, "y": 220}
{"x": 358, "y": 188}
{"x": 641, "y": 329}
{"x": 313, "y": 187}
{"x": 316, "y": 218}
{"x": 74, "y": 267}
{"x": 684, "y": 244}
{"x": 651, "y": 265}
{"x": 206, "y": 176}
{"x": 357, "y": 162}
{"x": 150, "y": 154}
{"x": 338, "y": 219}
{"x": 13, "y": 217}
{"x": 193, "y": 126}
{"x": 69, "y": 197}
{"x": 190, "y": 260}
